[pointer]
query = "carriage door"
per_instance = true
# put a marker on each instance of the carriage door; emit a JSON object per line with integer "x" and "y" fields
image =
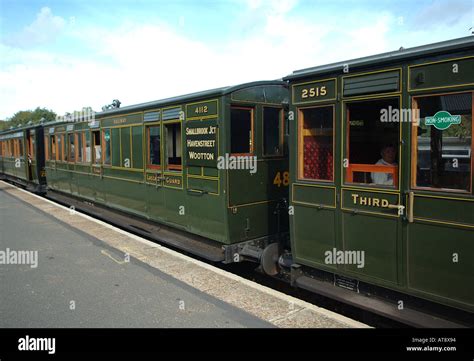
{"x": 440, "y": 228}
{"x": 30, "y": 154}
{"x": 370, "y": 204}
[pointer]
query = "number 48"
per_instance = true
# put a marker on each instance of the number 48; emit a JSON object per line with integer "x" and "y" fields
{"x": 278, "y": 179}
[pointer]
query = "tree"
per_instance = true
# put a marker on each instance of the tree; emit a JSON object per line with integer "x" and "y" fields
{"x": 23, "y": 117}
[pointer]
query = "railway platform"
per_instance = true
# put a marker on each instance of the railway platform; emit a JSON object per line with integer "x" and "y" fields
{"x": 61, "y": 268}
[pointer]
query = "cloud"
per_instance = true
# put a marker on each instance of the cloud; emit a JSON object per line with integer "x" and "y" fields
{"x": 45, "y": 28}
{"x": 272, "y": 6}
{"x": 140, "y": 62}
{"x": 446, "y": 13}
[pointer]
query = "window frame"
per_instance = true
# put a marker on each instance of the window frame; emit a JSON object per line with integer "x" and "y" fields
{"x": 414, "y": 145}
{"x": 52, "y": 143}
{"x": 87, "y": 131}
{"x": 252, "y": 131}
{"x": 164, "y": 147}
{"x": 93, "y": 145}
{"x": 300, "y": 155}
{"x": 64, "y": 156}
{"x": 47, "y": 151}
{"x": 104, "y": 147}
{"x": 31, "y": 145}
{"x": 149, "y": 165}
{"x": 71, "y": 159}
{"x": 346, "y": 144}
{"x": 58, "y": 147}
{"x": 281, "y": 137}
{"x": 77, "y": 135}
{"x": 15, "y": 148}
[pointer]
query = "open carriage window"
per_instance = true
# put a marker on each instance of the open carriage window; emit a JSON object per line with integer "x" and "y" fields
{"x": 173, "y": 146}
{"x": 97, "y": 152}
{"x": 443, "y": 142}
{"x": 241, "y": 130}
{"x": 315, "y": 144}
{"x": 52, "y": 140}
{"x": 372, "y": 142}
{"x": 72, "y": 148}
{"x": 154, "y": 146}
{"x": 272, "y": 131}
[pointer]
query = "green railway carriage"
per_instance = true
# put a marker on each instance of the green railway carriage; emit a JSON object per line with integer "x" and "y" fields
{"x": 171, "y": 161}
{"x": 413, "y": 214}
{"x": 22, "y": 157}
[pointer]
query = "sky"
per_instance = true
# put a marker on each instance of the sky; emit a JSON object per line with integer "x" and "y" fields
{"x": 68, "y": 54}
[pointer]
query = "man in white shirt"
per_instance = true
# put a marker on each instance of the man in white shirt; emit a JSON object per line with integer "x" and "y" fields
{"x": 389, "y": 154}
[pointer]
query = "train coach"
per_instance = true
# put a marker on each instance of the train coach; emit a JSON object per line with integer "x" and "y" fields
{"x": 212, "y": 164}
{"x": 357, "y": 174}
{"x": 381, "y": 172}
{"x": 22, "y": 157}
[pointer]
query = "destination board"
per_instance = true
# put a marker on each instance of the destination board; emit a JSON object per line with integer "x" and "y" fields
{"x": 201, "y": 143}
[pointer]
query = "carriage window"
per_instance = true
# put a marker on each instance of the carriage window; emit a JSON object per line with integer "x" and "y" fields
{"x": 79, "y": 150}
{"x": 47, "y": 150}
{"x": 137, "y": 147}
{"x": 64, "y": 147}
{"x": 154, "y": 150}
{"x": 32, "y": 146}
{"x": 107, "y": 150}
{"x": 444, "y": 142}
{"x": 316, "y": 143}
{"x": 173, "y": 145}
{"x": 272, "y": 131}
{"x": 371, "y": 155}
{"x": 97, "y": 153}
{"x": 241, "y": 131}
{"x": 60, "y": 147}
{"x": 87, "y": 142}
{"x": 52, "y": 141}
{"x": 20, "y": 147}
{"x": 72, "y": 148}
{"x": 14, "y": 142}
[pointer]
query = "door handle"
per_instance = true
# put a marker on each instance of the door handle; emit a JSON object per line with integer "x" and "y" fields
{"x": 411, "y": 202}
{"x": 400, "y": 208}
